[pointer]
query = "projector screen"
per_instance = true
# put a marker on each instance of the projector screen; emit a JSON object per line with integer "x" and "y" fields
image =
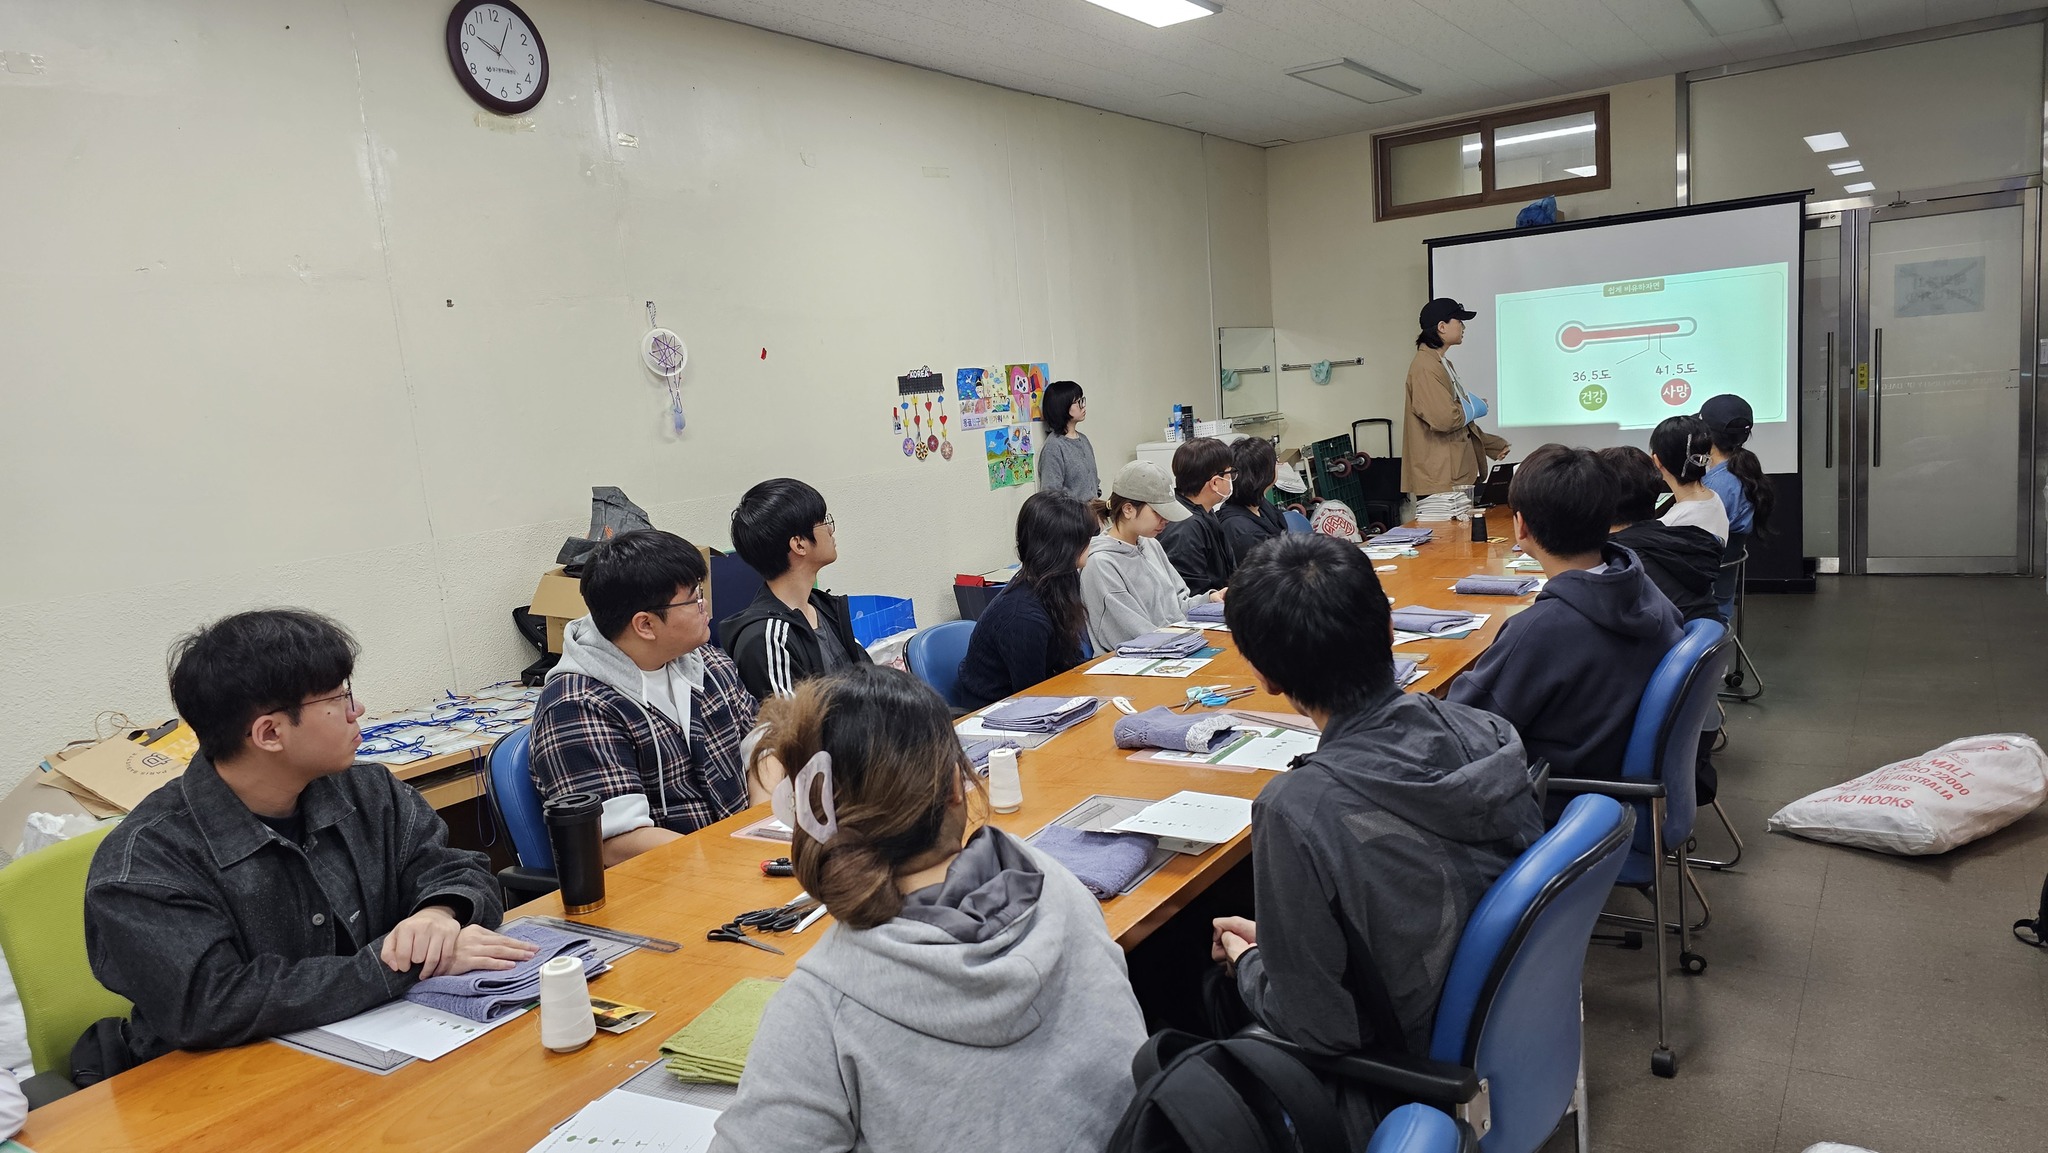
{"x": 1591, "y": 333}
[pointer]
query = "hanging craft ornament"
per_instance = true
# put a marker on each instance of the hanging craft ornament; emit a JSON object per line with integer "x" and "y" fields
{"x": 917, "y": 419}
{"x": 903, "y": 425}
{"x": 931, "y": 429}
{"x": 1319, "y": 372}
{"x": 666, "y": 356}
{"x": 945, "y": 438}
{"x": 896, "y": 418}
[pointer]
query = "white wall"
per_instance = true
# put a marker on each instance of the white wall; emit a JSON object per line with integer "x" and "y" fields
{"x": 232, "y": 375}
{"x": 1344, "y": 286}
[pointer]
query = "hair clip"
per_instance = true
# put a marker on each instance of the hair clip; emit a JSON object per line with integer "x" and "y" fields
{"x": 801, "y": 816}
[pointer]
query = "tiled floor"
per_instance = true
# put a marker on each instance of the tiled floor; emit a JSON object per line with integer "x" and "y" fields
{"x": 1851, "y": 996}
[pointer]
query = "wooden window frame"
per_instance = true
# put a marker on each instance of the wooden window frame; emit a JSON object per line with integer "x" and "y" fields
{"x": 1486, "y": 126}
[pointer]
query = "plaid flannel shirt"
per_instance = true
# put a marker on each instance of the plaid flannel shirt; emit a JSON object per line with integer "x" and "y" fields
{"x": 590, "y": 737}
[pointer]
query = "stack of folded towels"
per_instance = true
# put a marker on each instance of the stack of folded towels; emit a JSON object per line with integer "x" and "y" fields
{"x": 1208, "y": 613}
{"x": 1105, "y": 862}
{"x": 1161, "y": 728}
{"x": 1453, "y": 505}
{"x": 1164, "y": 643}
{"x": 712, "y": 1048}
{"x": 1407, "y": 537}
{"x": 1039, "y": 714}
{"x": 487, "y": 995}
{"x": 1495, "y": 586}
{"x": 1416, "y": 619}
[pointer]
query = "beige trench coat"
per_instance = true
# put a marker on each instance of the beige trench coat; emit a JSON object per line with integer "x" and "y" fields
{"x": 1440, "y": 449}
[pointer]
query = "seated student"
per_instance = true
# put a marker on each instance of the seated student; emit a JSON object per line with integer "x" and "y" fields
{"x": 1066, "y": 461}
{"x": 1196, "y": 544}
{"x": 969, "y": 996}
{"x": 1248, "y": 518}
{"x": 1387, "y": 835}
{"x": 1568, "y": 670}
{"x": 1033, "y": 628}
{"x": 793, "y": 629}
{"x": 1682, "y": 560}
{"x": 277, "y": 884}
{"x": 1128, "y": 586}
{"x": 1683, "y": 450}
{"x": 1737, "y": 477}
{"x": 641, "y": 710}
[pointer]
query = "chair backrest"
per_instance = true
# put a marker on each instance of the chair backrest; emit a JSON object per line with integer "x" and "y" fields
{"x": 1665, "y": 741}
{"x": 1416, "y": 1129}
{"x": 517, "y": 801}
{"x": 42, "y": 931}
{"x": 1296, "y": 522}
{"x": 935, "y": 655}
{"x": 1510, "y": 1006}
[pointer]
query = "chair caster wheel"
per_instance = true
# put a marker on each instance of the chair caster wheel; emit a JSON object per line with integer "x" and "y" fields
{"x": 1664, "y": 1063}
{"x": 1693, "y": 963}
{"x": 1734, "y": 679}
{"x": 1631, "y": 940}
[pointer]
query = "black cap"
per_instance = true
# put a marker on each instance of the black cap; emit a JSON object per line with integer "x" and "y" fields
{"x": 1441, "y": 309}
{"x": 1728, "y": 413}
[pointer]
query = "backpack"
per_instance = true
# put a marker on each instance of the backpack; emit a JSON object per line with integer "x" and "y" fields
{"x": 1232, "y": 1096}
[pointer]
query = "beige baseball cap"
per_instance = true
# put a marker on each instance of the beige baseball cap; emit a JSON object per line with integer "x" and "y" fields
{"x": 1143, "y": 480}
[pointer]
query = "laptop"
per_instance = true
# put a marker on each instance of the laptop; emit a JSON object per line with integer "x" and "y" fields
{"x": 1493, "y": 491}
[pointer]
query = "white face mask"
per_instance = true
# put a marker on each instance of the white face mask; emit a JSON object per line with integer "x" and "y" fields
{"x": 1229, "y": 486}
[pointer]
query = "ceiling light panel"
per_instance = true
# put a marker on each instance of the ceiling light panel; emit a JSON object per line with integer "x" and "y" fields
{"x": 1863, "y": 186}
{"x": 1350, "y": 78}
{"x": 1726, "y": 17}
{"x": 1827, "y": 142}
{"x": 1159, "y": 13}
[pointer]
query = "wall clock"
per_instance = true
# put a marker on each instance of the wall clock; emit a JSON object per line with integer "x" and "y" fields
{"x": 497, "y": 55}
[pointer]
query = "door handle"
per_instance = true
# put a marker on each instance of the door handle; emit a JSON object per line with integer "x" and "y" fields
{"x": 1877, "y": 398}
{"x": 1828, "y": 432}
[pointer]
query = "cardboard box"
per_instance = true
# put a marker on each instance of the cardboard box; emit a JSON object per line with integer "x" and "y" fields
{"x": 559, "y": 598}
{"x": 117, "y": 773}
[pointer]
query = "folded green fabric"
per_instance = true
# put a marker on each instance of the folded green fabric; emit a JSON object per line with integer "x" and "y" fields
{"x": 712, "y": 1048}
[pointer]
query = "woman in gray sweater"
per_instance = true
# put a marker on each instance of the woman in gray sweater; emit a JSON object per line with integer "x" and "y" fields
{"x": 1066, "y": 461}
{"x": 969, "y": 996}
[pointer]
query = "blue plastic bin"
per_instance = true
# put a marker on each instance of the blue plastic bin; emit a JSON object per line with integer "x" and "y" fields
{"x": 878, "y": 617}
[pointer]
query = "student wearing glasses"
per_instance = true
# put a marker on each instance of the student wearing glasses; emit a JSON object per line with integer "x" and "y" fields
{"x": 277, "y": 884}
{"x": 642, "y": 710}
{"x": 793, "y": 630}
{"x": 1204, "y": 476}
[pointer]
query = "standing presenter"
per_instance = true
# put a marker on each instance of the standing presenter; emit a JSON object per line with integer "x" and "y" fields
{"x": 1442, "y": 445}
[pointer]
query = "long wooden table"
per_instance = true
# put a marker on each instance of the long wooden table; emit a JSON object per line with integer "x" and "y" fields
{"x": 503, "y": 1093}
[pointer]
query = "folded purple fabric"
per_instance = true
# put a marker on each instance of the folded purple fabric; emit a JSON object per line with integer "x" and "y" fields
{"x": 1161, "y": 728}
{"x": 1416, "y": 619}
{"x": 1105, "y": 862}
{"x": 1403, "y": 669}
{"x": 1164, "y": 643}
{"x": 1495, "y": 586}
{"x": 487, "y": 995}
{"x": 1208, "y": 613}
{"x": 978, "y": 749}
{"x": 1403, "y": 536}
{"x": 1040, "y": 714}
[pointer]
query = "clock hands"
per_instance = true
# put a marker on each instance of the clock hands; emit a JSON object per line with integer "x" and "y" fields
{"x": 500, "y": 49}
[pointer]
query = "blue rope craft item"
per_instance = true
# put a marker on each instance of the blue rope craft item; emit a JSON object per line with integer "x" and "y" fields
{"x": 1319, "y": 372}
{"x": 1230, "y": 380}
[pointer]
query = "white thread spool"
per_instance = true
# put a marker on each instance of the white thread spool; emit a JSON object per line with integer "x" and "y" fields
{"x": 566, "y": 1023}
{"x": 1005, "y": 787}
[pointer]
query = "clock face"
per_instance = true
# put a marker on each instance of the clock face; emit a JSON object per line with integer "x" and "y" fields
{"x": 498, "y": 55}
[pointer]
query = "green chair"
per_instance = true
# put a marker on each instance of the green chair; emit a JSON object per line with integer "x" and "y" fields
{"x": 42, "y": 932}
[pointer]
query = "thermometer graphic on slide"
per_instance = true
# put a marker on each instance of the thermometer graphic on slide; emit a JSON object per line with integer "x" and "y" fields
{"x": 1574, "y": 335}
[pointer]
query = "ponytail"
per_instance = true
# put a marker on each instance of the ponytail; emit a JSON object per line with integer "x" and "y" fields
{"x": 1681, "y": 445}
{"x": 1745, "y": 467}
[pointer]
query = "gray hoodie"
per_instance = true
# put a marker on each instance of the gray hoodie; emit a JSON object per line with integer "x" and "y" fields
{"x": 1130, "y": 590}
{"x": 993, "y": 1013}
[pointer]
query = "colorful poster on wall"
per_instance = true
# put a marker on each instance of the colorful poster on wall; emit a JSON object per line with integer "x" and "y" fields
{"x": 1022, "y": 401}
{"x": 969, "y": 387}
{"x": 998, "y": 382}
{"x": 1038, "y": 374}
{"x": 1009, "y": 456}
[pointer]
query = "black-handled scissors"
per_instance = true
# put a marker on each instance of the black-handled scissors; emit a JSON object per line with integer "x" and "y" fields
{"x": 777, "y": 920}
{"x": 731, "y": 931}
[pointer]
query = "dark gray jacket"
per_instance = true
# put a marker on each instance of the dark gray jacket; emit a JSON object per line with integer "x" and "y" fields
{"x": 1388, "y": 834}
{"x": 222, "y": 932}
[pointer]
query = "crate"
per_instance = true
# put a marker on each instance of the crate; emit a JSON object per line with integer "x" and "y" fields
{"x": 875, "y": 617}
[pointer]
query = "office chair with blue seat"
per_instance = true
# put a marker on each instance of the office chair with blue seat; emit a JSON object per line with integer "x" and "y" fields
{"x": 1418, "y": 1129}
{"x": 517, "y": 803}
{"x": 1658, "y": 779}
{"x": 1505, "y": 1055}
{"x": 934, "y": 655}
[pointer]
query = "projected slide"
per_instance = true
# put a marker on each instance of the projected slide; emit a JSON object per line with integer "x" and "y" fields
{"x": 1632, "y": 352}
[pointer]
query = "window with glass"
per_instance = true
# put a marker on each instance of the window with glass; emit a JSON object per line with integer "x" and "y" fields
{"x": 1504, "y": 158}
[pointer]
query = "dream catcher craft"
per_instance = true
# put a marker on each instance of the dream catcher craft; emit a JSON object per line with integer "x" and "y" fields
{"x": 666, "y": 356}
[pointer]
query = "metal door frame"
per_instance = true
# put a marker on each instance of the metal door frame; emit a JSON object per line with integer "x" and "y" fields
{"x": 1859, "y": 364}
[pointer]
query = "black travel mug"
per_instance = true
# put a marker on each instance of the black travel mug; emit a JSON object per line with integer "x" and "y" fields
{"x": 1478, "y": 517}
{"x": 575, "y": 829}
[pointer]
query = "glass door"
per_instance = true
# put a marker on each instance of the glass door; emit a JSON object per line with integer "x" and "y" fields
{"x": 1821, "y": 357}
{"x": 1940, "y": 404}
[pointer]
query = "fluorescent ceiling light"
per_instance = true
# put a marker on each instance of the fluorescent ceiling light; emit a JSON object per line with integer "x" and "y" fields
{"x": 1723, "y": 17}
{"x": 1159, "y": 13}
{"x": 1860, "y": 186}
{"x": 1846, "y": 167}
{"x": 1547, "y": 134}
{"x": 1350, "y": 78}
{"x": 1586, "y": 170}
{"x": 1827, "y": 142}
